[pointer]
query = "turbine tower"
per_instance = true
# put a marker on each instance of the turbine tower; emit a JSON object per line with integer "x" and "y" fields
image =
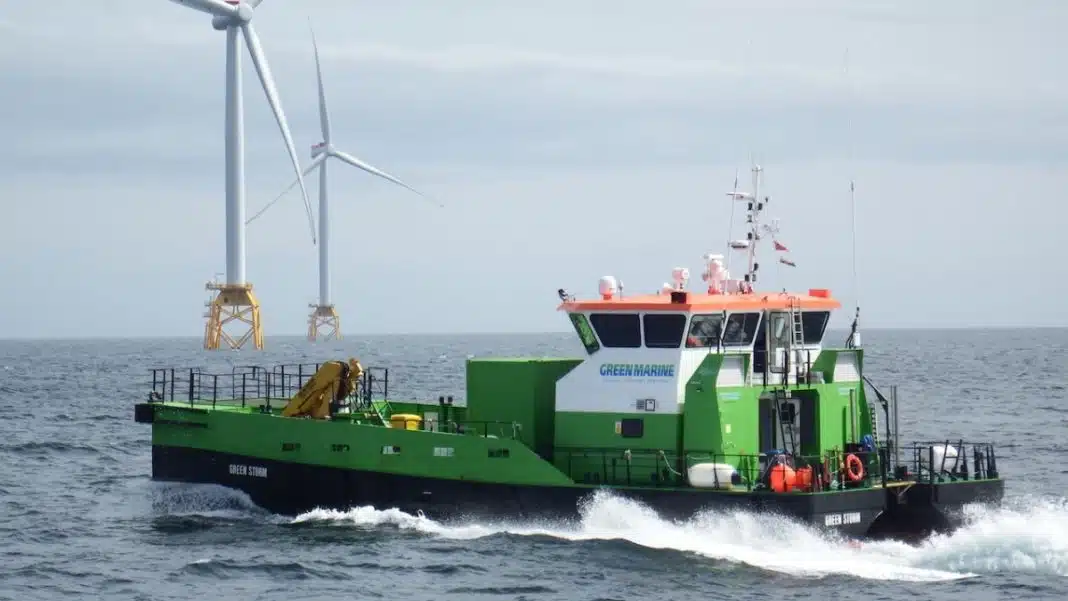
{"x": 235, "y": 301}
{"x": 324, "y": 321}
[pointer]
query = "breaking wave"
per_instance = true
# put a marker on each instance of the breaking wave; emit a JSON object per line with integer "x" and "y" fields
{"x": 204, "y": 501}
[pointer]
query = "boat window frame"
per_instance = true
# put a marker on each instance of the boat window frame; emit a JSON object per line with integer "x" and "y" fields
{"x": 749, "y": 333}
{"x": 699, "y": 318}
{"x": 805, "y": 325}
{"x": 609, "y": 342}
{"x": 774, "y": 317}
{"x": 579, "y": 321}
{"x": 632, "y": 427}
{"x": 665, "y": 316}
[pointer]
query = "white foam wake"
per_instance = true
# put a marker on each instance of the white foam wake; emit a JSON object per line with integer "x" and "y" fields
{"x": 1033, "y": 538}
{"x": 1025, "y": 536}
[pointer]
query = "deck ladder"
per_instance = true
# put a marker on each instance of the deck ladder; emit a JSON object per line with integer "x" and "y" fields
{"x": 786, "y": 429}
{"x": 874, "y": 425}
{"x": 797, "y": 335}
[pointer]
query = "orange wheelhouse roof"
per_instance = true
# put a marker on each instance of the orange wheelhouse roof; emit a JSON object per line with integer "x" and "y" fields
{"x": 702, "y": 302}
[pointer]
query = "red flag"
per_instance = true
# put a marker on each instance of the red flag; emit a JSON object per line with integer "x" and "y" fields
{"x": 779, "y": 246}
{"x": 786, "y": 261}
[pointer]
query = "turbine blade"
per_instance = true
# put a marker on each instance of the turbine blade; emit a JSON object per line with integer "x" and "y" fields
{"x": 260, "y": 62}
{"x": 324, "y": 119}
{"x": 355, "y": 162}
{"x": 212, "y": 7}
{"x": 314, "y": 164}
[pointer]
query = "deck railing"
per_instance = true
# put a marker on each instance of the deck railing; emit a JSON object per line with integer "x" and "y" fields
{"x": 485, "y": 429}
{"x": 254, "y": 385}
{"x": 646, "y": 467}
{"x": 649, "y": 467}
{"x": 251, "y": 384}
{"x": 798, "y": 372}
{"x": 947, "y": 460}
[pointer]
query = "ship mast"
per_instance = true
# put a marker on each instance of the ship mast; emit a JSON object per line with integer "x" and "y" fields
{"x": 753, "y": 218}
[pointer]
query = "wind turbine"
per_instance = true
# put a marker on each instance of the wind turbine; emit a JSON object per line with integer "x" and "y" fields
{"x": 324, "y": 315}
{"x": 235, "y": 301}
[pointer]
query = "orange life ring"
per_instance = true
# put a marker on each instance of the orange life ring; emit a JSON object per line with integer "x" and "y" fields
{"x": 854, "y": 468}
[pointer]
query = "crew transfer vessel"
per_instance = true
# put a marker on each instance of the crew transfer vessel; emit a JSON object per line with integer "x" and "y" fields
{"x": 725, "y": 397}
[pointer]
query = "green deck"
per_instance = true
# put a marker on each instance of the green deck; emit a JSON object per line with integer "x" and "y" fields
{"x": 510, "y": 430}
{"x": 350, "y": 444}
{"x": 514, "y": 433}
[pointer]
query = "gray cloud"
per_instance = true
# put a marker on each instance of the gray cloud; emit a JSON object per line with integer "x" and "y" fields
{"x": 565, "y": 139}
{"x": 464, "y": 95}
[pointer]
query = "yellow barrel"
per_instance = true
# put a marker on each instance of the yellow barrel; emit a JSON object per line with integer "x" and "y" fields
{"x": 405, "y": 420}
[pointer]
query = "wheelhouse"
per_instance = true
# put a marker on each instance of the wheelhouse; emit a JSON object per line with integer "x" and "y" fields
{"x": 778, "y": 330}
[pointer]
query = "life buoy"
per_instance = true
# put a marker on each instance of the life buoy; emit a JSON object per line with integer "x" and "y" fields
{"x": 854, "y": 468}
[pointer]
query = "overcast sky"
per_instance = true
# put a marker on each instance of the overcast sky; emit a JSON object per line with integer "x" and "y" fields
{"x": 567, "y": 140}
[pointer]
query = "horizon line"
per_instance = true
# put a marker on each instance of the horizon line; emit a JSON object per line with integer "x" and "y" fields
{"x": 507, "y": 333}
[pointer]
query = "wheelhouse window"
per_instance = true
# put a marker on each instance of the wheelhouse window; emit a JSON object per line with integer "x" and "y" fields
{"x": 813, "y": 325}
{"x": 585, "y": 332}
{"x": 780, "y": 328}
{"x": 704, "y": 331}
{"x": 741, "y": 329}
{"x": 663, "y": 330}
{"x": 618, "y": 330}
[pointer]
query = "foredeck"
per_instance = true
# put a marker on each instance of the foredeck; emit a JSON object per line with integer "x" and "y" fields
{"x": 256, "y": 390}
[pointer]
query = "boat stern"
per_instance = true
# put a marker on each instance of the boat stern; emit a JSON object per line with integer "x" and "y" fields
{"x": 930, "y": 493}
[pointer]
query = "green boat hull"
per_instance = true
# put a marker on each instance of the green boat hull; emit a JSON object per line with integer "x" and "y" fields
{"x": 290, "y": 466}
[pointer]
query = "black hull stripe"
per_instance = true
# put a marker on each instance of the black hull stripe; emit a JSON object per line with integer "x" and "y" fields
{"x": 292, "y": 488}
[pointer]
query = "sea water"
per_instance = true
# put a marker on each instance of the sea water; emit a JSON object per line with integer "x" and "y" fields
{"x": 79, "y": 516}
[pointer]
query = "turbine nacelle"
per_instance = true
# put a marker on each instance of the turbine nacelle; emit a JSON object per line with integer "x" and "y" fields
{"x": 226, "y": 13}
{"x": 243, "y": 15}
{"x": 325, "y": 150}
{"x": 321, "y": 148}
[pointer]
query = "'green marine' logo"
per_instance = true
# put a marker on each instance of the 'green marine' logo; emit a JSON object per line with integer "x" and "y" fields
{"x": 638, "y": 370}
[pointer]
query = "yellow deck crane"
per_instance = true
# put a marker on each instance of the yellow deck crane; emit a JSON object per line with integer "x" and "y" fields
{"x": 332, "y": 383}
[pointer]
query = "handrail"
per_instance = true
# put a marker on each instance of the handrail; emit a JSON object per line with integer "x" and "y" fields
{"x": 669, "y": 468}
{"x": 801, "y": 371}
{"x": 369, "y": 384}
{"x": 922, "y": 465}
{"x": 609, "y": 465}
{"x": 251, "y": 383}
{"x": 247, "y": 385}
{"x": 505, "y": 429}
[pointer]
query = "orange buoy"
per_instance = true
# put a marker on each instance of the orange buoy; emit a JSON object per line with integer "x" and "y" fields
{"x": 803, "y": 478}
{"x": 854, "y": 468}
{"x": 782, "y": 478}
